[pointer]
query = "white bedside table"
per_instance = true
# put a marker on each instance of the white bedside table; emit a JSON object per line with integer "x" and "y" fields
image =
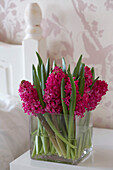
{"x": 101, "y": 157}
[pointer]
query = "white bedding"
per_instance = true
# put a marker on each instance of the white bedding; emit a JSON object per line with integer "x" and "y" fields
{"x": 14, "y": 131}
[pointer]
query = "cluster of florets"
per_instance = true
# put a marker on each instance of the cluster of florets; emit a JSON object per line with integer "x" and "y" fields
{"x": 98, "y": 90}
{"x": 29, "y": 97}
{"x": 79, "y": 109}
{"x": 52, "y": 97}
{"x": 91, "y": 96}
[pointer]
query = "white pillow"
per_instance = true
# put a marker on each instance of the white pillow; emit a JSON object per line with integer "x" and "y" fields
{"x": 14, "y": 130}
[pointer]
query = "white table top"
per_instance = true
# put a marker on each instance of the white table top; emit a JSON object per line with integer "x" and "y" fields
{"x": 101, "y": 157}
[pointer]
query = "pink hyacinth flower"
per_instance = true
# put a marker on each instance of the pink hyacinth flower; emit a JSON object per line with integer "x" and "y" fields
{"x": 29, "y": 98}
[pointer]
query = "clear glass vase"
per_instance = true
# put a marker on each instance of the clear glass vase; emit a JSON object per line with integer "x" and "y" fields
{"x": 60, "y": 138}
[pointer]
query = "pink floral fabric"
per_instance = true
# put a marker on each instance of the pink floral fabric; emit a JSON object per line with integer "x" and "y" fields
{"x": 72, "y": 28}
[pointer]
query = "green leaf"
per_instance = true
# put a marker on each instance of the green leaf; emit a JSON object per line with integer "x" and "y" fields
{"x": 37, "y": 85}
{"x": 76, "y": 69}
{"x": 81, "y": 79}
{"x": 82, "y": 85}
{"x": 65, "y": 110}
{"x": 94, "y": 82}
{"x": 43, "y": 78}
{"x": 39, "y": 58}
{"x": 34, "y": 75}
{"x": 47, "y": 68}
{"x": 71, "y": 113}
{"x": 63, "y": 65}
{"x": 39, "y": 72}
{"x": 73, "y": 95}
{"x": 78, "y": 78}
{"x": 51, "y": 71}
{"x": 54, "y": 64}
{"x": 39, "y": 66}
{"x": 93, "y": 72}
{"x": 68, "y": 70}
{"x": 81, "y": 74}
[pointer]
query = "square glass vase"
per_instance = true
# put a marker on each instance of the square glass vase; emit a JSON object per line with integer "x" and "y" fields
{"x": 60, "y": 138}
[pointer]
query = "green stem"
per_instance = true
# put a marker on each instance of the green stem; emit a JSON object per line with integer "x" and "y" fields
{"x": 60, "y": 143}
{"x": 50, "y": 133}
{"x": 42, "y": 150}
{"x": 62, "y": 125}
{"x": 44, "y": 136}
{"x": 70, "y": 133}
{"x": 64, "y": 107}
{"x": 84, "y": 128}
{"x": 76, "y": 148}
{"x": 38, "y": 144}
{"x": 80, "y": 146}
{"x": 56, "y": 131}
{"x": 71, "y": 113}
{"x": 45, "y": 141}
{"x": 34, "y": 150}
{"x": 90, "y": 137}
{"x": 75, "y": 140}
{"x": 72, "y": 154}
{"x": 52, "y": 149}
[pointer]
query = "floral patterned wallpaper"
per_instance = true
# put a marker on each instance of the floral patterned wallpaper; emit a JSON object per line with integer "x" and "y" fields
{"x": 72, "y": 27}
